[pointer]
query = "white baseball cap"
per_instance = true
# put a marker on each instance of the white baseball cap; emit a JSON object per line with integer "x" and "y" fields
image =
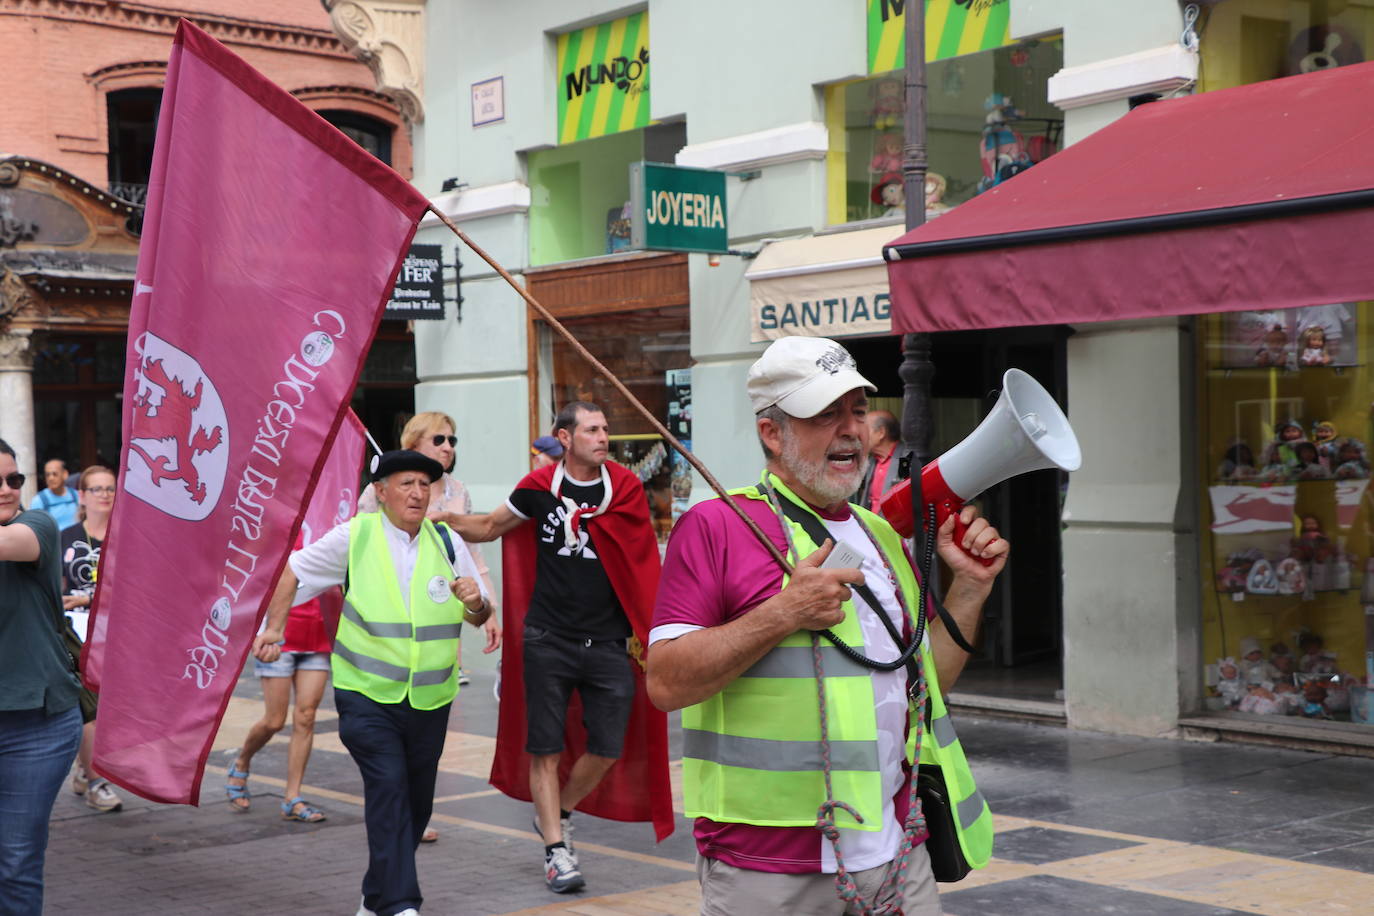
{"x": 803, "y": 376}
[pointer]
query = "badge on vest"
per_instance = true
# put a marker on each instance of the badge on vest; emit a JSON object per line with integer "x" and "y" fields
{"x": 438, "y": 590}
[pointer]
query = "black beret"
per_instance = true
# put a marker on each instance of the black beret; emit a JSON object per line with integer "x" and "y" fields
{"x": 404, "y": 459}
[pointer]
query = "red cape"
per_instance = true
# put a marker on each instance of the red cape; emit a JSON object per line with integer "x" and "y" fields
{"x": 637, "y": 788}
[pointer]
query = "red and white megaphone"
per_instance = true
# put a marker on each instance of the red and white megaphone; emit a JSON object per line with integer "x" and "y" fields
{"x": 1026, "y": 431}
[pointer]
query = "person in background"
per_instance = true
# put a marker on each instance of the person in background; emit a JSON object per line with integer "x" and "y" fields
{"x": 40, "y": 716}
{"x": 80, "y": 560}
{"x": 304, "y": 665}
{"x": 431, "y": 433}
{"x": 57, "y": 500}
{"x": 884, "y": 436}
{"x": 544, "y": 451}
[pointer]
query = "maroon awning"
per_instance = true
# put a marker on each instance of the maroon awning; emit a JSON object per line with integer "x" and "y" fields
{"x": 1249, "y": 198}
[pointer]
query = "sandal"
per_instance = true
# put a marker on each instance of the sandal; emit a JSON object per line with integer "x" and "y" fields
{"x": 429, "y": 836}
{"x": 308, "y": 813}
{"x": 237, "y": 794}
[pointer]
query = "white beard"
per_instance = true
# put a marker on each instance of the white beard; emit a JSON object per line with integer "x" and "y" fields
{"x": 817, "y": 476}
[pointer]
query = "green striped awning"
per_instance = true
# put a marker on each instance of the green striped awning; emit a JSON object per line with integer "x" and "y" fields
{"x": 953, "y": 27}
{"x": 603, "y": 79}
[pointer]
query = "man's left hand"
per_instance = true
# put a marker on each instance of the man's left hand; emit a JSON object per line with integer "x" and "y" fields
{"x": 980, "y": 542}
{"x": 466, "y": 590}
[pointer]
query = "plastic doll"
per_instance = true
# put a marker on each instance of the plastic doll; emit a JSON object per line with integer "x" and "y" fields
{"x": 1229, "y": 685}
{"x": 1255, "y": 669}
{"x": 1261, "y": 700}
{"x": 1314, "y": 700}
{"x": 887, "y": 155}
{"x": 1287, "y": 697}
{"x": 1285, "y": 664}
{"x": 1309, "y": 463}
{"x": 1262, "y": 580}
{"x": 1238, "y": 463}
{"x": 1324, "y": 437}
{"x": 1351, "y": 460}
{"x": 1312, "y": 656}
{"x": 1292, "y": 579}
{"x": 1275, "y": 350}
{"x": 1311, "y": 545}
{"x": 888, "y": 103}
{"x": 935, "y": 194}
{"x": 1313, "y": 344}
{"x": 890, "y": 194}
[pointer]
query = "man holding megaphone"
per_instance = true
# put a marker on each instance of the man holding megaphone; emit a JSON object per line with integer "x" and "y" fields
{"x": 736, "y": 644}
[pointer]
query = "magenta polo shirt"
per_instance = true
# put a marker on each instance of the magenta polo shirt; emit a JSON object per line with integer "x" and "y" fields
{"x": 715, "y": 571}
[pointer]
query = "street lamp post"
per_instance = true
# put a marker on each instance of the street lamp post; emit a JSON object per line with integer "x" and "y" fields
{"x": 917, "y": 369}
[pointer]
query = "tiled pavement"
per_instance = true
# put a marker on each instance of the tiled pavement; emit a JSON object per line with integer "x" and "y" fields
{"x": 1086, "y": 824}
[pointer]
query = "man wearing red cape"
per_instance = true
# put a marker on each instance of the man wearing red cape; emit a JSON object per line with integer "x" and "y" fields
{"x": 577, "y": 730}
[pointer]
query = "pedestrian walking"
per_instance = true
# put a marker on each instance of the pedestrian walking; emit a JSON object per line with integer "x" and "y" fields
{"x": 407, "y": 593}
{"x": 40, "y": 716}
{"x": 95, "y": 490}
{"x": 579, "y": 583}
{"x": 884, "y": 438}
{"x": 57, "y": 498}
{"x": 732, "y": 648}
{"x": 302, "y": 668}
{"x": 433, "y": 434}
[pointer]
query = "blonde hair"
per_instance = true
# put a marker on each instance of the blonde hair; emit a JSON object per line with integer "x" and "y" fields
{"x": 420, "y": 424}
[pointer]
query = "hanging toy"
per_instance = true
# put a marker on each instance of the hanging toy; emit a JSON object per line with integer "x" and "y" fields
{"x": 1002, "y": 148}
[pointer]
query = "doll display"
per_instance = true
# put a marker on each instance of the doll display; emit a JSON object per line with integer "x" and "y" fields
{"x": 1287, "y": 697}
{"x": 1237, "y": 463}
{"x": 1312, "y": 344}
{"x": 1230, "y": 687}
{"x": 1312, "y": 655}
{"x": 1235, "y": 574}
{"x": 1324, "y": 437}
{"x": 1280, "y": 456}
{"x": 890, "y": 194}
{"x": 1311, "y": 545}
{"x": 887, "y": 153}
{"x": 1284, "y": 662}
{"x": 1275, "y": 350}
{"x": 1308, "y": 462}
{"x": 1254, "y": 667}
{"x": 1002, "y": 148}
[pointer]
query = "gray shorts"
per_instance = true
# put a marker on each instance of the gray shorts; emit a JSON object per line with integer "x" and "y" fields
{"x": 729, "y": 891}
{"x": 291, "y": 662}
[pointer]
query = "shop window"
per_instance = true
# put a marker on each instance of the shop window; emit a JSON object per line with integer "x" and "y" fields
{"x": 132, "y": 121}
{"x": 580, "y": 192}
{"x": 1249, "y": 41}
{"x": 987, "y": 119}
{"x": 369, "y": 133}
{"x": 649, "y": 350}
{"x": 1288, "y": 549}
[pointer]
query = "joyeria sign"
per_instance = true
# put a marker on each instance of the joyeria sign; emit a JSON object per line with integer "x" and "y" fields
{"x": 677, "y": 209}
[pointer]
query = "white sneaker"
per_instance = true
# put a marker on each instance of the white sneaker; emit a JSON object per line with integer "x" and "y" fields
{"x": 561, "y": 872}
{"x": 463, "y": 679}
{"x": 101, "y": 797}
{"x": 409, "y": 911}
{"x": 363, "y": 910}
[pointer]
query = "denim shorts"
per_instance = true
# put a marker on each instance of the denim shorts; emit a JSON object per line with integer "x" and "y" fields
{"x": 601, "y": 674}
{"x": 291, "y": 662}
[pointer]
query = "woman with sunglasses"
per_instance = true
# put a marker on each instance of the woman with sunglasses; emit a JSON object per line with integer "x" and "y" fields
{"x": 40, "y": 718}
{"x": 431, "y": 433}
{"x": 95, "y": 493}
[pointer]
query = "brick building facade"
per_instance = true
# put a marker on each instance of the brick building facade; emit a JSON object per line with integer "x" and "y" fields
{"x": 76, "y": 129}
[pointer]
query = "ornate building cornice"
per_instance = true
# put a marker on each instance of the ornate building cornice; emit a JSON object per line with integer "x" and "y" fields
{"x": 388, "y": 36}
{"x": 163, "y": 20}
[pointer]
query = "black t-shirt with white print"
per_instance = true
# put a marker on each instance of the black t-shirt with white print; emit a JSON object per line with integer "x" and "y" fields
{"x": 573, "y": 596}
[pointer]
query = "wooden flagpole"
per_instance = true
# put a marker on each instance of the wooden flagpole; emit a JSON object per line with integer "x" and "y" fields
{"x": 619, "y": 386}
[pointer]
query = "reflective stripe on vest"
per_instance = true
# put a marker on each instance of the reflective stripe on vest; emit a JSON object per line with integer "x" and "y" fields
{"x": 383, "y": 649}
{"x": 751, "y": 753}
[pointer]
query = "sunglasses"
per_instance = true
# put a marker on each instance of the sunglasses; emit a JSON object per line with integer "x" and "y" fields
{"x": 439, "y": 440}
{"x": 14, "y": 481}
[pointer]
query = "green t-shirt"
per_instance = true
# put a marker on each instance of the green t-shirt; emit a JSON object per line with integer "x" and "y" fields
{"x": 35, "y": 669}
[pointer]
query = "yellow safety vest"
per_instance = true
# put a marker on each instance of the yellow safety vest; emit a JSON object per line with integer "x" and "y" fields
{"x": 383, "y": 651}
{"x": 751, "y": 753}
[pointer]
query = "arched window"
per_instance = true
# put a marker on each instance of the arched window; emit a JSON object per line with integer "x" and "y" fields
{"x": 369, "y": 133}
{"x": 132, "y": 117}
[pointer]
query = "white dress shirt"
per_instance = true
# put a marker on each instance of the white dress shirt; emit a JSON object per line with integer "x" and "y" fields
{"x": 324, "y": 563}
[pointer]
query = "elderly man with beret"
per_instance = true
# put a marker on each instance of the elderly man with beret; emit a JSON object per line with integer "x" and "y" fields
{"x": 407, "y": 592}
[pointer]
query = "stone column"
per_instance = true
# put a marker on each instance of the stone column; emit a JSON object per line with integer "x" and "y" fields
{"x": 16, "y": 403}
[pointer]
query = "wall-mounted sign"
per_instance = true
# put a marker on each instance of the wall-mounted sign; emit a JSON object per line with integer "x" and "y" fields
{"x": 489, "y": 101}
{"x": 953, "y": 27}
{"x": 419, "y": 291}
{"x": 603, "y": 79}
{"x": 677, "y": 209}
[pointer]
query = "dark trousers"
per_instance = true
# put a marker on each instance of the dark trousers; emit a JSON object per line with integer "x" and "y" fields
{"x": 397, "y": 750}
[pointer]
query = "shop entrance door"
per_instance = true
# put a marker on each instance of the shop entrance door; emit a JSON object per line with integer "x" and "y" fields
{"x": 1022, "y": 633}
